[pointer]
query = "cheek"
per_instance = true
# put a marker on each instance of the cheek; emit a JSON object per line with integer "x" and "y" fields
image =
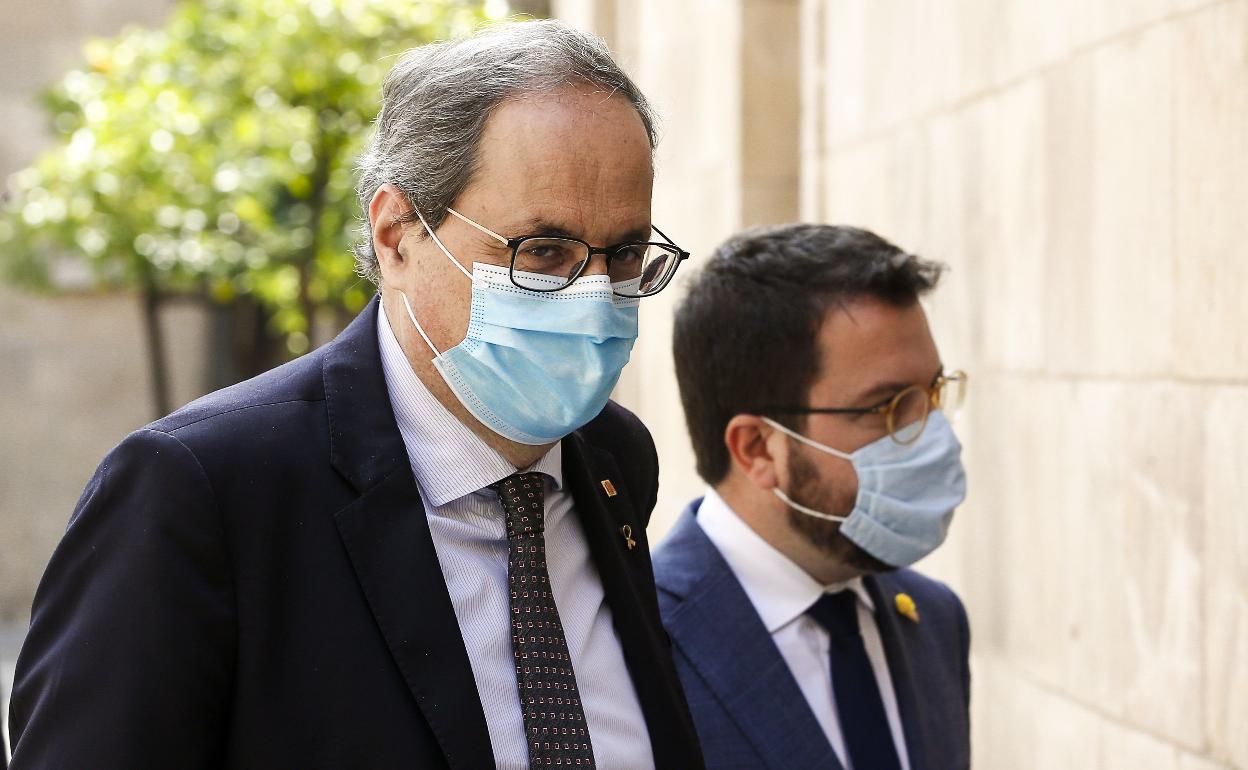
{"x": 441, "y": 297}
{"x": 845, "y": 484}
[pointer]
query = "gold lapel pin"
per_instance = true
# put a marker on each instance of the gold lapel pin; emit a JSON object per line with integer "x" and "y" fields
{"x": 906, "y": 607}
{"x": 609, "y": 488}
{"x": 627, "y": 532}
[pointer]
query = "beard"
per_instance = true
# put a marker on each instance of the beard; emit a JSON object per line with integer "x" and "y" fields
{"x": 824, "y": 535}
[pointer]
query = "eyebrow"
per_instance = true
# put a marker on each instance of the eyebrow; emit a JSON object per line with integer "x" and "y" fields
{"x": 884, "y": 391}
{"x": 547, "y": 229}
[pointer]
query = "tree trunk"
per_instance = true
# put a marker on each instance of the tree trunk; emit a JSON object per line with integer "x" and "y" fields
{"x": 158, "y": 365}
{"x": 326, "y": 149}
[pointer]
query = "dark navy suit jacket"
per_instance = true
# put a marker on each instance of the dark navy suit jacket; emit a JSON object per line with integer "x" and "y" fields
{"x": 748, "y": 708}
{"x": 250, "y": 582}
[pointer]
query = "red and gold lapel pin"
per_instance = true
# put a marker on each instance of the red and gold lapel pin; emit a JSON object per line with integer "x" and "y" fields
{"x": 608, "y": 487}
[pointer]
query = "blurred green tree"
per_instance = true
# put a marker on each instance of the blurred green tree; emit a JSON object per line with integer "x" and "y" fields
{"x": 214, "y": 156}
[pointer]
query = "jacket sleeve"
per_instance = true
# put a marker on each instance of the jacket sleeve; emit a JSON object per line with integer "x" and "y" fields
{"x": 128, "y": 662}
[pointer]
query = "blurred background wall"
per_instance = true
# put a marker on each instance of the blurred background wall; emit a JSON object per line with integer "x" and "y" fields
{"x": 1083, "y": 169}
{"x": 1081, "y": 166}
{"x": 73, "y": 372}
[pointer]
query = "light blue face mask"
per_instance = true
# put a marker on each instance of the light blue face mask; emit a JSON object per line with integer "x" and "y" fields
{"x": 906, "y": 493}
{"x": 535, "y": 366}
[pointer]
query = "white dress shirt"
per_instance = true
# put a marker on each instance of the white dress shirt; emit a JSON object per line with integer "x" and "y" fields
{"x": 453, "y": 469}
{"x": 781, "y": 592}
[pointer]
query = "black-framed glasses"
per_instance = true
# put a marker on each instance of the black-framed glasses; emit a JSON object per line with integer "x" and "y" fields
{"x": 541, "y": 263}
{"x": 904, "y": 414}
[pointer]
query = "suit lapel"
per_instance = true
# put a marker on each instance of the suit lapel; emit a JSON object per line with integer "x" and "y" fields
{"x": 628, "y": 586}
{"x": 387, "y": 537}
{"x": 726, "y": 642}
{"x": 898, "y": 638}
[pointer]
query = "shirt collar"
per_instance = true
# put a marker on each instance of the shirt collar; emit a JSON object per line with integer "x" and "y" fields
{"x": 448, "y": 460}
{"x": 780, "y": 590}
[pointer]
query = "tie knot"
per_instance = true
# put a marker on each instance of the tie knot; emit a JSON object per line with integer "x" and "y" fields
{"x": 837, "y": 613}
{"x": 523, "y": 497}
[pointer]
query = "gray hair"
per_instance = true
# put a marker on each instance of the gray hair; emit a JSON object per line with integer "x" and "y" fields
{"x": 436, "y": 99}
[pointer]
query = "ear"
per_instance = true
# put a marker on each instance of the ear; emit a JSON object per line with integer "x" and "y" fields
{"x": 751, "y": 449}
{"x": 385, "y": 213}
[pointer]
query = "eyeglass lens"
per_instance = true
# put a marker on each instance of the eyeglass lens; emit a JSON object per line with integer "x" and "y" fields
{"x": 640, "y": 268}
{"x": 912, "y": 406}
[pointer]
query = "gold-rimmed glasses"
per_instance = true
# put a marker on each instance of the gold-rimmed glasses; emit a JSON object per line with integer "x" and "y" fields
{"x": 905, "y": 413}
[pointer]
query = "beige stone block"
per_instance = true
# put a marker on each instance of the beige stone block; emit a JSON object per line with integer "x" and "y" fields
{"x": 596, "y": 16}
{"x": 951, "y": 234}
{"x": 1122, "y": 748}
{"x": 1132, "y": 553}
{"x": 1028, "y": 462}
{"x": 690, "y": 67}
{"x": 890, "y": 60}
{"x": 1021, "y": 726}
{"x": 771, "y": 111}
{"x": 1225, "y": 589}
{"x": 1193, "y": 762}
{"x": 978, "y": 47}
{"x": 844, "y": 73}
{"x": 1131, "y": 267}
{"x": 1211, "y": 146}
{"x": 1031, "y": 36}
{"x": 857, "y": 187}
{"x": 880, "y": 185}
{"x": 1107, "y": 19}
{"x": 1069, "y": 216}
{"x": 1013, "y": 230}
{"x": 813, "y": 51}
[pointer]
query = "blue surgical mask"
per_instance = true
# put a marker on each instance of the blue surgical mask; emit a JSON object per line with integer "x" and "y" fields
{"x": 535, "y": 366}
{"x": 906, "y": 492}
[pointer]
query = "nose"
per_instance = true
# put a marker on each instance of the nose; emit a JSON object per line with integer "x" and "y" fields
{"x": 597, "y": 265}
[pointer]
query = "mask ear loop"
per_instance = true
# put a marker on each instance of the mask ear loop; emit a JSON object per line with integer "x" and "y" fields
{"x": 407, "y": 304}
{"x": 438, "y": 241}
{"x": 807, "y": 441}
{"x": 416, "y": 323}
{"x": 808, "y": 511}
{"x": 811, "y": 443}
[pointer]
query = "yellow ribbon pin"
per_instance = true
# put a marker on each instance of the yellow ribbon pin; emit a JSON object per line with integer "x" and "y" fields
{"x": 905, "y": 606}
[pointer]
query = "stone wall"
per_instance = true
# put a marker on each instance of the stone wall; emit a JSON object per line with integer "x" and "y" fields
{"x": 1083, "y": 169}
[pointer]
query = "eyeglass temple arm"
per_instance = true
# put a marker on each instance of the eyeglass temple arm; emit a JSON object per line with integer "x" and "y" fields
{"x": 683, "y": 253}
{"x": 811, "y": 410}
{"x": 482, "y": 228}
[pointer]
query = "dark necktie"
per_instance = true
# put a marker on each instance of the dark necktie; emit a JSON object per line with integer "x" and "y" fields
{"x": 554, "y": 722}
{"x": 858, "y": 705}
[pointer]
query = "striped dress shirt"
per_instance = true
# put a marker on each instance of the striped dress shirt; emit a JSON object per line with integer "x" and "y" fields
{"x": 453, "y": 469}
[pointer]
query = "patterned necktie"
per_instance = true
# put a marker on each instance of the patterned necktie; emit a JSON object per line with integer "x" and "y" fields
{"x": 859, "y": 708}
{"x": 554, "y": 722}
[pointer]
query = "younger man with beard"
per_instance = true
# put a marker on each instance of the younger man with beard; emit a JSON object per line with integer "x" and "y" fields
{"x": 815, "y": 399}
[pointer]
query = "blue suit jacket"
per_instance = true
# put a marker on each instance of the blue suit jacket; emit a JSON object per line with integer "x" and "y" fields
{"x": 747, "y": 707}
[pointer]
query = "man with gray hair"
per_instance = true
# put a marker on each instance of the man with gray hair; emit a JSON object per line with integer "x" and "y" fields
{"x": 423, "y": 545}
